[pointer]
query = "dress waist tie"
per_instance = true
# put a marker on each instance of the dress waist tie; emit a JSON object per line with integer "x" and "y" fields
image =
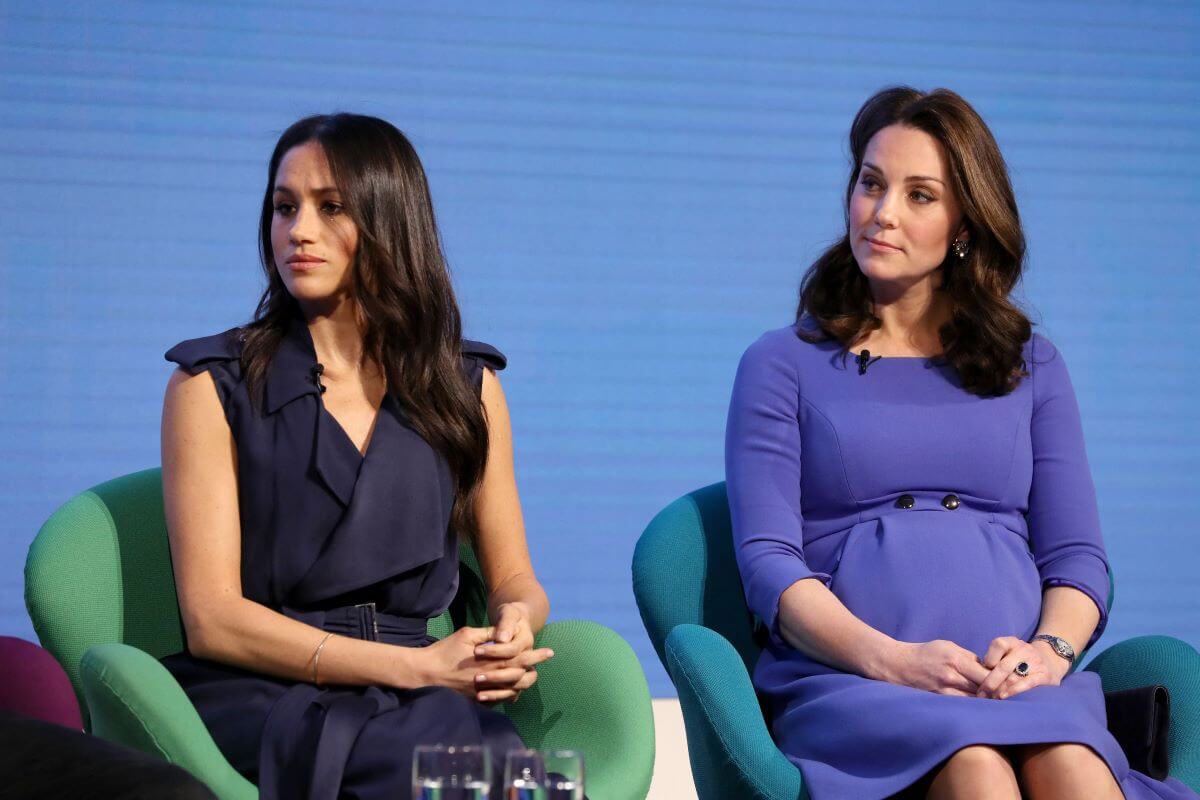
{"x": 347, "y": 709}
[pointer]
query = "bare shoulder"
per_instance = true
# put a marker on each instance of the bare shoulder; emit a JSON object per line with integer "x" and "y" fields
{"x": 192, "y": 394}
{"x": 193, "y": 417}
{"x": 495, "y": 405}
{"x": 492, "y": 390}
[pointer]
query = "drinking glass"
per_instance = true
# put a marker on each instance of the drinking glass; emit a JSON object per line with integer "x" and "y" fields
{"x": 524, "y": 775}
{"x": 451, "y": 773}
{"x": 564, "y": 775}
{"x": 470, "y": 768}
{"x": 429, "y": 771}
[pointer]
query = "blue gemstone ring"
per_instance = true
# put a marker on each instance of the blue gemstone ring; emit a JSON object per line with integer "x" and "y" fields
{"x": 1022, "y": 669}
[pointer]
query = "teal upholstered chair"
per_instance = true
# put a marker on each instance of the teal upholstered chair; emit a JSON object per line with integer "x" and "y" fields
{"x": 101, "y": 593}
{"x": 690, "y": 594}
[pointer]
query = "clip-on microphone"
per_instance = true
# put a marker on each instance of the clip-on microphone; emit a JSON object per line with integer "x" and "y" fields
{"x": 864, "y": 360}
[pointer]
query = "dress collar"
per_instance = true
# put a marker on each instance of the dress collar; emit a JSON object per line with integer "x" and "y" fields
{"x": 292, "y": 370}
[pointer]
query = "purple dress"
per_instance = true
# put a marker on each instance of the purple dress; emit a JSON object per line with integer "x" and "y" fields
{"x": 356, "y": 545}
{"x": 853, "y": 480}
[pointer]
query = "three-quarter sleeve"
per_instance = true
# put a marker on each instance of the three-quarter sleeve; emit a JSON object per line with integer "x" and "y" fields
{"x": 1064, "y": 521}
{"x": 762, "y": 475}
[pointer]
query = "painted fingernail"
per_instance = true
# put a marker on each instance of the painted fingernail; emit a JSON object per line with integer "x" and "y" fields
{"x": 481, "y": 651}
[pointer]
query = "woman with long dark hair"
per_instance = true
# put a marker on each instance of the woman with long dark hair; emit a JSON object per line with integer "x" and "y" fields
{"x": 319, "y": 465}
{"x": 916, "y": 526}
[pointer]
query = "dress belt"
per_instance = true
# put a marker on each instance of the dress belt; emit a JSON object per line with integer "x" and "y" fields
{"x": 364, "y": 621}
{"x": 345, "y": 710}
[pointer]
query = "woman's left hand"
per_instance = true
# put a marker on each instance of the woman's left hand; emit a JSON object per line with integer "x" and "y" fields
{"x": 513, "y": 633}
{"x": 512, "y": 645}
{"x": 1046, "y": 668}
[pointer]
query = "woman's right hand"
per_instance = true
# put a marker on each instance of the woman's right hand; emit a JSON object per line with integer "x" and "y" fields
{"x": 939, "y": 666}
{"x": 452, "y": 662}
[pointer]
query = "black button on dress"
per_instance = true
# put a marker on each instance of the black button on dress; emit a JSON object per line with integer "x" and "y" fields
{"x": 356, "y": 544}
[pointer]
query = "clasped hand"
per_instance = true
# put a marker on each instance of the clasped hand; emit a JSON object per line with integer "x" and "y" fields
{"x": 945, "y": 668}
{"x": 1046, "y": 668}
{"x": 490, "y": 664}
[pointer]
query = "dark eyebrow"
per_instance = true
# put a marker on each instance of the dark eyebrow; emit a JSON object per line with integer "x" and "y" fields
{"x": 910, "y": 178}
{"x": 319, "y": 190}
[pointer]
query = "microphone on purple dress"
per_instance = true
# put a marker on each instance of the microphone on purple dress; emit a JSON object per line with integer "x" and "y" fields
{"x": 864, "y": 360}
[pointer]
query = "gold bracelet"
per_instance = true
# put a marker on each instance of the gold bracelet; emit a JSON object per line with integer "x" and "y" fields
{"x": 317, "y": 658}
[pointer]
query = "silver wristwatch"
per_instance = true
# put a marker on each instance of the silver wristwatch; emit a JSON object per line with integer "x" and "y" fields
{"x": 1061, "y": 646}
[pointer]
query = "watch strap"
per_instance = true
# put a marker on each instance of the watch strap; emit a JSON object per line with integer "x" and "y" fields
{"x": 1060, "y": 646}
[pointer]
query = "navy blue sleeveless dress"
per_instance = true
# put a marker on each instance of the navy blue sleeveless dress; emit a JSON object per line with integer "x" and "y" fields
{"x": 353, "y": 544}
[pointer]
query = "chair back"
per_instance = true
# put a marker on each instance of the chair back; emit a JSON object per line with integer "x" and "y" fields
{"x": 35, "y": 685}
{"x": 684, "y": 571}
{"x": 100, "y": 571}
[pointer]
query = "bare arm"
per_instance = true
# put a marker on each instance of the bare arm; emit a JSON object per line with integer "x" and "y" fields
{"x": 517, "y": 604}
{"x": 503, "y": 552}
{"x": 814, "y": 621}
{"x": 200, "y": 492}
{"x": 1069, "y": 614}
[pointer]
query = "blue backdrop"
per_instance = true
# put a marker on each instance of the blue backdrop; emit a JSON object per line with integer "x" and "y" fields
{"x": 629, "y": 192}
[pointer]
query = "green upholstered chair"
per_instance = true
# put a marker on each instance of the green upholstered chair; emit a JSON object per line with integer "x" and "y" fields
{"x": 689, "y": 591}
{"x": 101, "y": 593}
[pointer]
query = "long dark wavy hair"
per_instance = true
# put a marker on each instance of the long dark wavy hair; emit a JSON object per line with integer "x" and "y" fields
{"x": 412, "y": 325}
{"x": 986, "y": 332}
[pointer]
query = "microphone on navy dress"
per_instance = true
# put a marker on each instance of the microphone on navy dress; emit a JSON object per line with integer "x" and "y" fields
{"x": 864, "y": 360}
{"x": 317, "y": 371}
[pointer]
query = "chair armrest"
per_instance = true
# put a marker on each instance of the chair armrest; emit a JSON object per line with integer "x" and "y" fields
{"x": 135, "y": 701}
{"x": 1146, "y": 660}
{"x": 592, "y": 697}
{"x": 724, "y": 722}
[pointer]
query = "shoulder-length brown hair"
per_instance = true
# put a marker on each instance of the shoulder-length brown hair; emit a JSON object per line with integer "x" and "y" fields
{"x": 402, "y": 286}
{"x": 984, "y": 338}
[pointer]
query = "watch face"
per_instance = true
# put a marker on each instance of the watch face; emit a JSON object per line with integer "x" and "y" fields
{"x": 1061, "y": 647}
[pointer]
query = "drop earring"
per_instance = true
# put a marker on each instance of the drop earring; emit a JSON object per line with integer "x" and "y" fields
{"x": 960, "y": 248}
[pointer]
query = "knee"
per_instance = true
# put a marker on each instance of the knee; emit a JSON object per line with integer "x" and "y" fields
{"x": 1058, "y": 760}
{"x": 981, "y": 762}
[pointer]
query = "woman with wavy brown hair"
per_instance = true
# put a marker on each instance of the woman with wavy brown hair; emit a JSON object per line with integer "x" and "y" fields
{"x": 319, "y": 466}
{"x": 917, "y": 527}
